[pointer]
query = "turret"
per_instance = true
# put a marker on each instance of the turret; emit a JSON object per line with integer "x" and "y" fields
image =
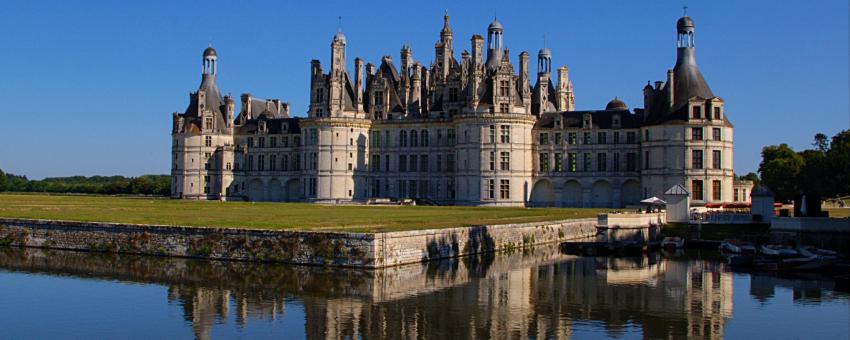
{"x": 444, "y": 48}
{"x": 406, "y": 60}
{"x": 336, "y": 101}
{"x": 494, "y": 44}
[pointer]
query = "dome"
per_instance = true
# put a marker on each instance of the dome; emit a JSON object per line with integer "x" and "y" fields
{"x": 544, "y": 52}
{"x": 685, "y": 22}
{"x": 616, "y": 105}
{"x": 339, "y": 37}
{"x": 495, "y": 25}
{"x": 209, "y": 52}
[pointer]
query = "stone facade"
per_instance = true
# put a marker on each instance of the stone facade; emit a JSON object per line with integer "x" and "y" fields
{"x": 472, "y": 131}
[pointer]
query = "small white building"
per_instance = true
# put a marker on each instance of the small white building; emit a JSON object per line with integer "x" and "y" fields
{"x": 762, "y": 204}
{"x": 678, "y": 204}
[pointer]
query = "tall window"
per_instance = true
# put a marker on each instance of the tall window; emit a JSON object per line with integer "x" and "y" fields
{"x": 402, "y": 163}
{"x": 402, "y": 138}
{"x": 452, "y": 94}
{"x": 587, "y": 161}
{"x": 423, "y": 163}
{"x": 715, "y": 159}
{"x": 696, "y": 190}
{"x": 646, "y": 159}
{"x": 284, "y": 162}
{"x": 208, "y": 124}
{"x": 414, "y": 138}
{"x": 504, "y": 107}
{"x": 544, "y": 162}
{"x": 386, "y": 163}
{"x": 505, "y": 164}
{"x": 450, "y": 162}
{"x": 602, "y": 138}
{"x": 558, "y": 138}
{"x": 273, "y": 163}
{"x": 559, "y": 162}
{"x": 715, "y": 132}
{"x": 735, "y": 197}
{"x": 262, "y": 142}
{"x": 544, "y": 138}
{"x": 696, "y": 133}
{"x": 492, "y": 160}
{"x": 696, "y": 159}
{"x": 505, "y": 133}
{"x": 631, "y": 161}
{"x": 601, "y": 161}
{"x": 616, "y": 161}
{"x": 379, "y": 98}
{"x": 413, "y": 162}
{"x": 504, "y": 88}
{"x": 491, "y": 189}
{"x": 504, "y": 189}
{"x": 697, "y": 112}
{"x": 616, "y": 137}
{"x": 208, "y": 141}
{"x": 715, "y": 190}
{"x": 451, "y": 136}
{"x": 492, "y": 134}
{"x": 261, "y": 162}
{"x": 716, "y": 112}
{"x": 440, "y": 163}
{"x": 587, "y": 138}
{"x": 425, "y": 139}
{"x": 571, "y": 162}
{"x": 571, "y": 138}
{"x": 314, "y": 136}
{"x": 320, "y": 95}
{"x": 376, "y": 163}
{"x": 631, "y": 138}
{"x": 250, "y": 162}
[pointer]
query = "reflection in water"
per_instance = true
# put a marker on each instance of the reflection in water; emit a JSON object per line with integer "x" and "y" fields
{"x": 540, "y": 293}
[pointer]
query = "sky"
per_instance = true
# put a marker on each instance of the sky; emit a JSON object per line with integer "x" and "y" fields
{"x": 89, "y": 87}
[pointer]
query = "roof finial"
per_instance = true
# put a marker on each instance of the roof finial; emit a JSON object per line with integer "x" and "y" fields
{"x": 544, "y": 41}
{"x": 685, "y": 10}
{"x": 339, "y": 24}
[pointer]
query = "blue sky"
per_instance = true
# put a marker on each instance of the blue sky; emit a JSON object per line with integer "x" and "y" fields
{"x": 89, "y": 87}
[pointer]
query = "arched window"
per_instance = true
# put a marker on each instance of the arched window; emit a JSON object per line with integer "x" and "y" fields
{"x": 424, "y": 136}
{"x": 402, "y": 138}
{"x": 414, "y": 139}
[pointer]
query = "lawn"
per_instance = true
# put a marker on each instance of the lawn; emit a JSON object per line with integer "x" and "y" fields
{"x": 281, "y": 216}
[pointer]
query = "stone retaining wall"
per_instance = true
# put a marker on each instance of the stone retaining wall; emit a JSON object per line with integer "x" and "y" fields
{"x": 313, "y": 248}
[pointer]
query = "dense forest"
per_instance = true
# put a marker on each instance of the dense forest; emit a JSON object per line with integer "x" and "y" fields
{"x": 154, "y": 185}
{"x": 823, "y": 170}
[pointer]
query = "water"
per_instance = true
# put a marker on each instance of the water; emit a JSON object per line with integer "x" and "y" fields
{"x": 535, "y": 294}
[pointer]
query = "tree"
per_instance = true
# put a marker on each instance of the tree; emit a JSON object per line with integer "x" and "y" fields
{"x": 821, "y": 143}
{"x": 4, "y": 182}
{"x": 838, "y": 160}
{"x": 779, "y": 169}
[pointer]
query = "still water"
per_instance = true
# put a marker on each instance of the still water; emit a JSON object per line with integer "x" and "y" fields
{"x": 540, "y": 294}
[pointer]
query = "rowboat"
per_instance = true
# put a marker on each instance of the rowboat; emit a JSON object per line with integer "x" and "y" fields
{"x": 674, "y": 242}
{"x": 737, "y": 247}
{"x": 778, "y": 251}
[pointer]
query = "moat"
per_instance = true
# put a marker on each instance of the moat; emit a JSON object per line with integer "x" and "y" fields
{"x": 538, "y": 293}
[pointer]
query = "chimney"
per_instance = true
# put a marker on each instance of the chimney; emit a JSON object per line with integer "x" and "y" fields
{"x": 477, "y": 50}
{"x": 358, "y": 83}
{"x": 670, "y": 85}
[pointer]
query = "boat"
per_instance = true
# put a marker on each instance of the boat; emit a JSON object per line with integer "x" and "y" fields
{"x": 674, "y": 242}
{"x": 810, "y": 263}
{"x": 737, "y": 247}
{"x": 778, "y": 251}
{"x": 810, "y": 251}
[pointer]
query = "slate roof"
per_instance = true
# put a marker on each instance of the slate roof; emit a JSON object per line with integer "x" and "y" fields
{"x": 602, "y": 119}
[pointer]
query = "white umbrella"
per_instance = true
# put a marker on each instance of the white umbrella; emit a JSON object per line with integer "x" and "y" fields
{"x": 653, "y": 201}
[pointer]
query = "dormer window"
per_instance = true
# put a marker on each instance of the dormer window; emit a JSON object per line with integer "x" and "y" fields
{"x": 379, "y": 98}
{"x": 696, "y": 112}
{"x": 557, "y": 123}
{"x": 716, "y": 112}
{"x": 615, "y": 121}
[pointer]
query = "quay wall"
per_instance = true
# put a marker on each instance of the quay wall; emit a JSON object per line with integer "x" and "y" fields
{"x": 362, "y": 250}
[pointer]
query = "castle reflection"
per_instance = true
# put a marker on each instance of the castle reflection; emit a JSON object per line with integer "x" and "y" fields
{"x": 540, "y": 293}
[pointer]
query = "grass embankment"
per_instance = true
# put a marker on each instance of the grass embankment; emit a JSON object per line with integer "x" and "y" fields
{"x": 278, "y": 216}
{"x": 716, "y": 232}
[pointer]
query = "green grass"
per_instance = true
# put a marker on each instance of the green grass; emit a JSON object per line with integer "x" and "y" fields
{"x": 280, "y": 216}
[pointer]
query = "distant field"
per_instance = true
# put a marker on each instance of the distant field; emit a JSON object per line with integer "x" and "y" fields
{"x": 838, "y": 212}
{"x": 296, "y": 216}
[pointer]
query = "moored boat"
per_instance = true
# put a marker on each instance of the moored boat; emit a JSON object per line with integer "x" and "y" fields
{"x": 674, "y": 242}
{"x": 737, "y": 247}
{"x": 778, "y": 251}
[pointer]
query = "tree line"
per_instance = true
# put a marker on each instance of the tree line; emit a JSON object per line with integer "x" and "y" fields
{"x": 153, "y": 185}
{"x": 823, "y": 170}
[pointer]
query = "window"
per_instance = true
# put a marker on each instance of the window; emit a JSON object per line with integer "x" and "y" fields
{"x": 646, "y": 135}
{"x": 715, "y": 190}
{"x": 439, "y": 137}
{"x": 505, "y": 133}
{"x": 505, "y": 164}
{"x": 491, "y": 189}
{"x": 715, "y": 134}
{"x": 296, "y": 141}
{"x": 616, "y": 161}
{"x": 631, "y": 138}
{"x": 571, "y": 138}
{"x": 544, "y": 162}
{"x": 616, "y": 137}
{"x": 423, "y": 163}
{"x": 402, "y": 138}
{"x": 735, "y": 197}
{"x": 697, "y": 112}
{"x": 208, "y": 141}
{"x": 571, "y": 162}
{"x": 262, "y": 142}
{"x": 450, "y": 162}
{"x": 602, "y": 138}
{"x": 558, "y": 138}
{"x": 544, "y": 138}
{"x": 696, "y": 190}
{"x": 386, "y": 163}
{"x": 273, "y": 142}
{"x": 425, "y": 139}
{"x": 284, "y": 162}
{"x": 646, "y": 159}
{"x": 379, "y": 98}
{"x": 504, "y": 88}
{"x": 602, "y": 161}
{"x": 451, "y": 136}
{"x": 273, "y": 162}
{"x": 261, "y": 162}
{"x": 587, "y": 138}
{"x": 715, "y": 159}
{"x": 375, "y": 166}
{"x": 504, "y": 108}
{"x": 402, "y": 163}
{"x": 492, "y": 134}
{"x": 452, "y": 94}
{"x": 631, "y": 161}
{"x": 696, "y": 133}
{"x": 314, "y": 136}
{"x": 228, "y": 167}
{"x": 504, "y": 189}
{"x": 250, "y": 162}
{"x": 696, "y": 159}
{"x": 716, "y": 112}
{"x": 440, "y": 162}
{"x": 320, "y": 95}
{"x": 387, "y": 140}
{"x": 314, "y": 161}
{"x": 414, "y": 138}
{"x": 285, "y": 141}
{"x": 492, "y": 160}
{"x": 559, "y": 162}
{"x": 208, "y": 124}
{"x": 587, "y": 161}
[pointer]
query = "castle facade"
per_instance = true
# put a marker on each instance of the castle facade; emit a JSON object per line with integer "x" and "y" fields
{"x": 468, "y": 131}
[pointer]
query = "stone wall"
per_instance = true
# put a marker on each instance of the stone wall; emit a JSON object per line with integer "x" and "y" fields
{"x": 313, "y": 248}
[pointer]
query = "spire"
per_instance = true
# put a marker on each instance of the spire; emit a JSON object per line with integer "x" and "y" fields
{"x": 688, "y": 81}
{"x": 446, "y": 29}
